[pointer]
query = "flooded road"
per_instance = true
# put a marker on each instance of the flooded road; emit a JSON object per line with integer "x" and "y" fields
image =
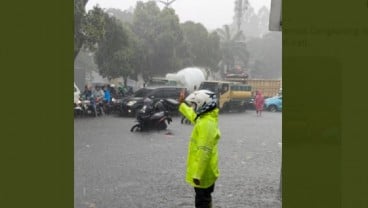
{"x": 115, "y": 168}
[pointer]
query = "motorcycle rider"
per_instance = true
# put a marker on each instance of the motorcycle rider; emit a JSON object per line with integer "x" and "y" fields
{"x": 202, "y": 161}
{"x": 113, "y": 91}
{"x": 98, "y": 93}
{"x": 151, "y": 116}
{"x": 97, "y": 99}
{"x": 148, "y": 108}
{"x": 107, "y": 94}
{"x": 159, "y": 106}
{"x": 107, "y": 99}
{"x": 87, "y": 93}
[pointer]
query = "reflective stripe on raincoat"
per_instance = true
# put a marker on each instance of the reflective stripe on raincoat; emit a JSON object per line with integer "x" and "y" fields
{"x": 202, "y": 160}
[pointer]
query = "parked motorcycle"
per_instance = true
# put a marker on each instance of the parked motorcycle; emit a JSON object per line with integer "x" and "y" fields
{"x": 79, "y": 108}
{"x": 86, "y": 107}
{"x": 149, "y": 119}
{"x": 98, "y": 107}
{"x": 115, "y": 105}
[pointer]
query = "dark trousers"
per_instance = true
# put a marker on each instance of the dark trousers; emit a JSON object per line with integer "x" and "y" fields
{"x": 203, "y": 197}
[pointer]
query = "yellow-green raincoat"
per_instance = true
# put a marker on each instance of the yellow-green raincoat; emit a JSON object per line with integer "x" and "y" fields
{"x": 202, "y": 160}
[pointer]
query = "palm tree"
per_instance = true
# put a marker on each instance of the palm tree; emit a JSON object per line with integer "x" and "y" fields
{"x": 233, "y": 48}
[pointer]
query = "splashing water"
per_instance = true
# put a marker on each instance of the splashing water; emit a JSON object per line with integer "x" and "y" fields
{"x": 190, "y": 77}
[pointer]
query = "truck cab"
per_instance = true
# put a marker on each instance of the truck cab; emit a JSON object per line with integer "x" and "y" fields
{"x": 231, "y": 96}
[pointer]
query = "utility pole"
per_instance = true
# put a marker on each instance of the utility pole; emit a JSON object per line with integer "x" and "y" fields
{"x": 167, "y": 3}
{"x": 240, "y": 8}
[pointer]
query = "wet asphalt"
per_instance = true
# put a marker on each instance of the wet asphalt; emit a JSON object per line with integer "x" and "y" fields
{"x": 115, "y": 168}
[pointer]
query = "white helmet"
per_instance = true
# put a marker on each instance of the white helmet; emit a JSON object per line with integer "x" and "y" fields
{"x": 203, "y": 100}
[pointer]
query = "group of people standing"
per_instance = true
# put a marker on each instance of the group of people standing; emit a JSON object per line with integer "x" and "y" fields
{"x": 97, "y": 93}
{"x": 106, "y": 92}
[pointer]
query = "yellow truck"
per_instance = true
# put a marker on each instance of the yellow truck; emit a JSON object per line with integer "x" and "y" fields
{"x": 232, "y": 96}
{"x": 269, "y": 87}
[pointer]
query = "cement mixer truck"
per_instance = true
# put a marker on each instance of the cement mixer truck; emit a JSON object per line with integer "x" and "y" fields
{"x": 189, "y": 78}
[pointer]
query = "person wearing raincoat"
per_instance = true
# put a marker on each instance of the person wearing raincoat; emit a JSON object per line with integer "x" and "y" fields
{"x": 200, "y": 108}
{"x": 259, "y": 102}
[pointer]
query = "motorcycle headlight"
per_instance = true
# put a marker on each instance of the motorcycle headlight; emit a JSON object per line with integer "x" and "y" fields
{"x": 131, "y": 103}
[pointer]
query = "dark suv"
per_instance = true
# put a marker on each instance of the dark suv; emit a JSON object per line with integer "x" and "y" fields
{"x": 131, "y": 105}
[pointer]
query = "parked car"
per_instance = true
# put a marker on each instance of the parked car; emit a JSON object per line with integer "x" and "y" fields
{"x": 131, "y": 105}
{"x": 250, "y": 104}
{"x": 273, "y": 103}
{"x": 77, "y": 93}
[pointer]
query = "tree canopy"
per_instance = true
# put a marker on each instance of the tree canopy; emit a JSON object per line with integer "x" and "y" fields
{"x": 266, "y": 56}
{"x": 115, "y": 53}
{"x": 160, "y": 37}
{"x": 88, "y": 27}
{"x": 204, "y": 47}
{"x": 151, "y": 41}
{"x": 233, "y": 48}
{"x": 79, "y": 14}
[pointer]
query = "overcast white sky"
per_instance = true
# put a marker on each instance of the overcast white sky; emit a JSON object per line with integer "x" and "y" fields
{"x": 211, "y": 13}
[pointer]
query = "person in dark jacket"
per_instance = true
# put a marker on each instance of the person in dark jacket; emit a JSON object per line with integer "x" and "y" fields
{"x": 87, "y": 93}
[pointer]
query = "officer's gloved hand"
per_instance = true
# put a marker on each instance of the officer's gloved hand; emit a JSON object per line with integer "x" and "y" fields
{"x": 196, "y": 181}
{"x": 181, "y": 96}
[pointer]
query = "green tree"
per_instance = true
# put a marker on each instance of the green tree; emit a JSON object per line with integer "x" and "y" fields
{"x": 266, "y": 56}
{"x": 233, "y": 49}
{"x": 213, "y": 51}
{"x": 160, "y": 39}
{"x": 115, "y": 51}
{"x": 144, "y": 27}
{"x": 123, "y": 16}
{"x": 93, "y": 28}
{"x": 204, "y": 48}
{"x": 254, "y": 24}
{"x": 170, "y": 43}
{"x": 79, "y": 14}
{"x": 88, "y": 27}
